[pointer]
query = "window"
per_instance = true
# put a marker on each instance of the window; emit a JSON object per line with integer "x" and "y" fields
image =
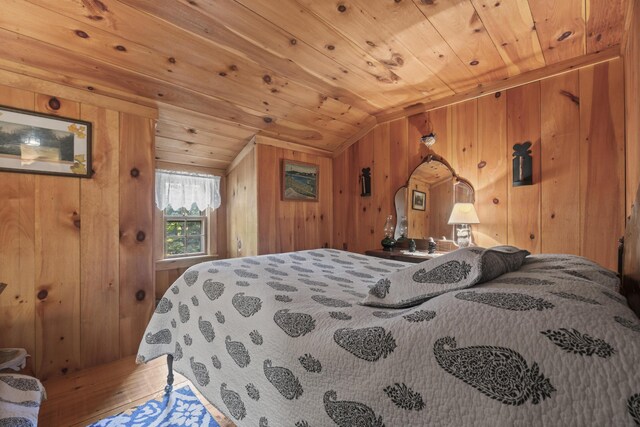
{"x": 185, "y": 232}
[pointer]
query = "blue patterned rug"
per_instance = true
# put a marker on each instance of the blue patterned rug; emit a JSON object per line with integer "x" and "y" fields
{"x": 181, "y": 408}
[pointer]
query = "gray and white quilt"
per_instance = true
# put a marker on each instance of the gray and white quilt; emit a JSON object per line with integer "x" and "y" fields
{"x": 283, "y": 340}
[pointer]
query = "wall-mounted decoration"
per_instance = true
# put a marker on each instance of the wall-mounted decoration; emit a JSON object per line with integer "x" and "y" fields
{"x": 522, "y": 164}
{"x": 365, "y": 182}
{"x": 38, "y": 143}
{"x": 418, "y": 200}
{"x": 299, "y": 181}
{"x": 429, "y": 139}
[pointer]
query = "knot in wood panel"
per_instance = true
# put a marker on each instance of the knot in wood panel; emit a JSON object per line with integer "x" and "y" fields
{"x": 140, "y": 236}
{"x": 82, "y": 34}
{"x": 43, "y": 294}
{"x": 54, "y": 103}
{"x": 140, "y": 295}
{"x": 575, "y": 99}
{"x": 76, "y": 219}
{"x": 135, "y": 172}
{"x": 564, "y": 35}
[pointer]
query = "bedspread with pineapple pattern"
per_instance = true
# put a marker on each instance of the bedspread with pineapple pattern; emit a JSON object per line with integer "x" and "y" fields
{"x": 282, "y": 340}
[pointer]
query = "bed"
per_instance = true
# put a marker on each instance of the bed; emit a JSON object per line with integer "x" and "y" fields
{"x": 283, "y": 340}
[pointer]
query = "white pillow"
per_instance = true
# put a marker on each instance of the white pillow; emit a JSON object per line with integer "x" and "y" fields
{"x": 455, "y": 270}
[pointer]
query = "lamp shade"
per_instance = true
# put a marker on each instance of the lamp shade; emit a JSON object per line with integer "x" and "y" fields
{"x": 463, "y": 213}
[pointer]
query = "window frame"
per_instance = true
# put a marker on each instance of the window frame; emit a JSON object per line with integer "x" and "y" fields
{"x": 204, "y": 233}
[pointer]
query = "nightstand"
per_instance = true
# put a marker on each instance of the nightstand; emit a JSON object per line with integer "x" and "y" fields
{"x": 403, "y": 255}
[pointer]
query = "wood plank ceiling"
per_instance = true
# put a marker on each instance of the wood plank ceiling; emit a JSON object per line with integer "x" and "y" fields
{"x": 311, "y": 72}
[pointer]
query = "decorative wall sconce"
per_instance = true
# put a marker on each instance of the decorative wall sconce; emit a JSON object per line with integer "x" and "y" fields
{"x": 365, "y": 182}
{"x": 522, "y": 164}
{"x": 428, "y": 140}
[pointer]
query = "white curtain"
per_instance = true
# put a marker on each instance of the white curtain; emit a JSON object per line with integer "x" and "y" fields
{"x": 182, "y": 190}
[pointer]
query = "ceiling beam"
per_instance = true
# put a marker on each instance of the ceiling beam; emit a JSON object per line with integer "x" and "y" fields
{"x": 265, "y": 140}
{"x": 508, "y": 83}
{"x": 366, "y": 128}
{"x": 241, "y": 155}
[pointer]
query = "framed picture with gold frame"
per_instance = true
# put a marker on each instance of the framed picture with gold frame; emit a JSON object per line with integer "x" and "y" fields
{"x": 300, "y": 181}
{"x": 44, "y": 144}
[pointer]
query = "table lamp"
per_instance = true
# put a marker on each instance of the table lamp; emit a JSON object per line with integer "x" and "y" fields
{"x": 463, "y": 214}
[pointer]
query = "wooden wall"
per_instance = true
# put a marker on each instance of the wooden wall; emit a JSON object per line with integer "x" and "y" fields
{"x": 242, "y": 205}
{"x": 576, "y": 205}
{"x": 631, "y": 53}
{"x": 257, "y": 215}
{"x": 286, "y": 226}
{"x": 77, "y": 253}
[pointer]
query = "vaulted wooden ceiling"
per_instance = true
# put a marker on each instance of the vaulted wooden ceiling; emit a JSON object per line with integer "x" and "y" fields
{"x": 311, "y": 72}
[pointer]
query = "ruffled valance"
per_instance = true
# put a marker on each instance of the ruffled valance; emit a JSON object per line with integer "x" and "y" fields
{"x": 182, "y": 190}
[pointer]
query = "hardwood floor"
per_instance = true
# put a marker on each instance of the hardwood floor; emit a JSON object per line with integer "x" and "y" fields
{"x": 89, "y": 395}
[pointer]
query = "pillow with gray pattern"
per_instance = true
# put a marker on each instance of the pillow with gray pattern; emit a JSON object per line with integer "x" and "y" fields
{"x": 455, "y": 270}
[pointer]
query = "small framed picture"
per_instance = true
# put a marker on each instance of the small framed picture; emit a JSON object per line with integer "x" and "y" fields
{"x": 419, "y": 200}
{"x": 44, "y": 144}
{"x": 299, "y": 181}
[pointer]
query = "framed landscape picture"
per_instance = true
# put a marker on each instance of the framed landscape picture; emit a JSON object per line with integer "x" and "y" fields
{"x": 39, "y": 143}
{"x": 299, "y": 181}
{"x": 419, "y": 200}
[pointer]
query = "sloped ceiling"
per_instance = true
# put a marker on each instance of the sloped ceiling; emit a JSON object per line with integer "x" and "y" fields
{"x": 307, "y": 71}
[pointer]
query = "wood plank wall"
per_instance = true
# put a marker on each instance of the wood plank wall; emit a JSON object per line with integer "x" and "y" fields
{"x": 285, "y": 226}
{"x": 575, "y": 122}
{"x": 76, "y": 253}
{"x": 242, "y": 207}
{"x": 631, "y": 54}
{"x": 259, "y": 218}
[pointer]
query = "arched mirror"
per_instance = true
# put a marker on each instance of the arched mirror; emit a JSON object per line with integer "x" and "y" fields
{"x": 426, "y": 201}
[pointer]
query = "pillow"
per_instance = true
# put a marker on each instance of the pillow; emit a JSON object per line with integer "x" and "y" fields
{"x": 455, "y": 270}
{"x": 20, "y": 398}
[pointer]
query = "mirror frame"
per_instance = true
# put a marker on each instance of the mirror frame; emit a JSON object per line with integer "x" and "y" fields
{"x": 434, "y": 157}
{"x": 428, "y": 159}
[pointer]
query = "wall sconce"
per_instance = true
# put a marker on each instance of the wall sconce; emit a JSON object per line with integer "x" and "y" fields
{"x": 522, "y": 164}
{"x": 428, "y": 140}
{"x": 365, "y": 182}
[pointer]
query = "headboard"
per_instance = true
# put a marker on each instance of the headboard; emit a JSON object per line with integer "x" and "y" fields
{"x": 631, "y": 258}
